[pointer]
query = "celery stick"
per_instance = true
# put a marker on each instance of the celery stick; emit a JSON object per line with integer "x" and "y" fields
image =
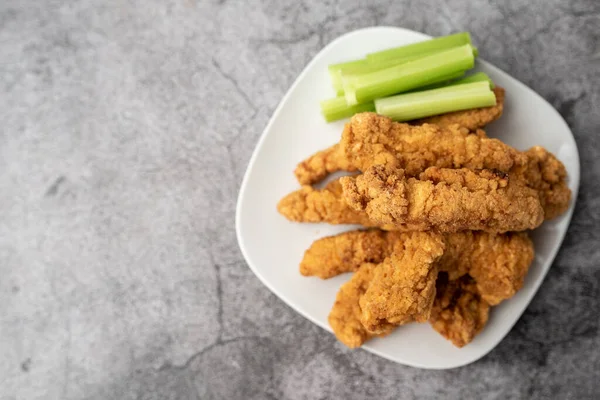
{"x": 440, "y": 43}
{"x": 409, "y": 106}
{"x": 373, "y": 66}
{"x": 476, "y": 77}
{"x": 334, "y": 72}
{"x": 440, "y": 81}
{"x": 337, "y": 108}
{"x": 359, "y": 67}
{"x": 407, "y": 76}
{"x": 365, "y": 68}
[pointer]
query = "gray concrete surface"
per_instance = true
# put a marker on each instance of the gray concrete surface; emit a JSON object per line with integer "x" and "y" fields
{"x": 125, "y": 129}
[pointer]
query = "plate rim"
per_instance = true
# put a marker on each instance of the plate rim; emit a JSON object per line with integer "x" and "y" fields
{"x": 240, "y": 239}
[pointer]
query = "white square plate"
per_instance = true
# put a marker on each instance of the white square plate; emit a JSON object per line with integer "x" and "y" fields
{"x": 273, "y": 247}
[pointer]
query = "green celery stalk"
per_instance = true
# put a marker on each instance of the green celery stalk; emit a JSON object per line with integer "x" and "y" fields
{"x": 365, "y": 68}
{"x": 440, "y": 43}
{"x": 337, "y": 108}
{"x": 413, "y": 74}
{"x": 439, "y": 81}
{"x": 476, "y": 77}
{"x": 334, "y": 72}
{"x": 409, "y": 106}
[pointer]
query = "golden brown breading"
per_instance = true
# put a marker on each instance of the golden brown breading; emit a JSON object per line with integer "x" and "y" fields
{"x": 334, "y": 255}
{"x": 499, "y": 265}
{"x": 497, "y": 262}
{"x": 321, "y": 205}
{"x": 546, "y": 174}
{"x": 325, "y": 205}
{"x": 370, "y": 139}
{"x": 470, "y": 119}
{"x": 345, "y": 314}
{"x": 316, "y": 167}
{"x": 332, "y": 159}
{"x": 403, "y": 285}
{"x": 448, "y": 200}
{"x": 459, "y": 313}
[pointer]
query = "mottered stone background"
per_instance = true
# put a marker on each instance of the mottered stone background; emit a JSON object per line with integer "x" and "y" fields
{"x": 125, "y": 130}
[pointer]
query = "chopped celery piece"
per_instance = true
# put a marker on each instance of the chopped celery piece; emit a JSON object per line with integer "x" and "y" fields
{"x": 337, "y": 108}
{"x": 409, "y": 106}
{"x": 368, "y": 67}
{"x": 476, "y": 77}
{"x": 365, "y": 68}
{"x": 440, "y": 81}
{"x": 440, "y": 43}
{"x": 334, "y": 72}
{"x": 413, "y": 74}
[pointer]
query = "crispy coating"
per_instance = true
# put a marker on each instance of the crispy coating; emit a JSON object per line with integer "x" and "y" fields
{"x": 321, "y": 205}
{"x": 470, "y": 119}
{"x": 370, "y": 139}
{"x": 448, "y": 200}
{"x": 332, "y": 159}
{"x": 497, "y": 262}
{"x": 546, "y": 174}
{"x": 325, "y": 205}
{"x": 459, "y": 313}
{"x": 346, "y": 252}
{"x": 403, "y": 286}
{"x": 345, "y": 314}
{"x": 316, "y": 167}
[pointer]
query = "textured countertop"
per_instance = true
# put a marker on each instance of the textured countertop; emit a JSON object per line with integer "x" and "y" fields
{"x": 125, "y": 131}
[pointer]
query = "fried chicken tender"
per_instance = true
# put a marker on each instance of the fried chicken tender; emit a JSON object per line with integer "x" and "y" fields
{"x": 333, "y": 159}
{"x": 316, "y": 167}
{"x": 403, "y": 286}
{"x": 370, "y": 139}
{"x": 321, "y": 205}
{"x": 497, "y": 262}
{"x": 346, "y": 252}
{"x": 470, "y": 119}
{"x": 546, "y": 174}
{"x": 448, "y": 200}
{"x": 458, "y": 313}
{"x": 345, "y": 314}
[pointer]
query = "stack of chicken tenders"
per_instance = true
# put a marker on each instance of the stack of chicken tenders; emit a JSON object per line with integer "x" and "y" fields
{"x": 446, "y": 210}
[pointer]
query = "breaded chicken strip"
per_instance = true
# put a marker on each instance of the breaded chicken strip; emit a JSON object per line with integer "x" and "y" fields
{"x": 546, "y": 174}
{"x": 332, "y": 159}
{"x": 370, "y": 139}
{"x": 344, "y": 317}
{"x": 346, "y": 252}
{"x": 316, "y": 167}
{"x": 325, "y": 205}
{"x": 497, "y": 262}
{"x": 403, "y": 286}
{"x": 321, "y": 205}
{"x": 459, "y": 313}
{"x": 448, "y": 200}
